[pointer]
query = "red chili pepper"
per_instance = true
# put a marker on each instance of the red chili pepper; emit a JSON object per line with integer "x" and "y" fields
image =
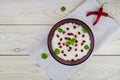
{"x": 99, "y": 13}
{"x": 95, "y": 13}
{"x": 98, "y": 16}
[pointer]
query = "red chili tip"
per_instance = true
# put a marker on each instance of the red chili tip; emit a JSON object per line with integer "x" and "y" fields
{"x": 92, "y": 13}
{"x": 94, "y": 23}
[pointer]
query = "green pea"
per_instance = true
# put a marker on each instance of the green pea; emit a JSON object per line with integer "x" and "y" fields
{"x": 44, "y": 56}
{"x": 84, "y": 30}
{"x": 86, "y": 47}
{"x": 72, "y": 41}
{"x": 60, "y": 30}
{"x": 68, "y": 43}
{"x": 63, "y": 8}
{"x": 57, "y": 51}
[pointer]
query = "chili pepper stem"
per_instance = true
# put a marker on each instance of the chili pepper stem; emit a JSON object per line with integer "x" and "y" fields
{"x": 110, "y": 16}
{"x": 104, "y": 4}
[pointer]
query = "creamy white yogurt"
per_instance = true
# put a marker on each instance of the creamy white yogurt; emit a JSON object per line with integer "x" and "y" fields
{"x": 79, "y": 44}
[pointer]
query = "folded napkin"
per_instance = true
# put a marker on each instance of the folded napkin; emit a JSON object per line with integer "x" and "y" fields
{"x": 105, "y": 29}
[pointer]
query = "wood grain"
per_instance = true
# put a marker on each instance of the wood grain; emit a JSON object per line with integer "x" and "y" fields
{"x": 20, "y": 67}
{"x": 99, "y": 68}
{"x": 24, "y": 68}
{"x": 45, "y": 11}
{"x": 35, "y": 11}
{"x": 15, "y": 39}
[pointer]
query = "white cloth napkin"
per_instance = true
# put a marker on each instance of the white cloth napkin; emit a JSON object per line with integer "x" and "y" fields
{"x": 105, "y": 29}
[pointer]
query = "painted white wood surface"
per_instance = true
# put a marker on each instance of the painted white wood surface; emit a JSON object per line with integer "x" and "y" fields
{"x": 44, "y": 11}
{"x": 24, "y": 68}
{"x": 15, "y": 39}
{"x": 34, "y": 11}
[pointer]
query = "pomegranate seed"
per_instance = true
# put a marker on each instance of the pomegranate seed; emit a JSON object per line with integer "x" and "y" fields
{"x": 57, "y": 36}
{"x": 60, "y": 46}
{"x": 75, "y": 36}
{"x": 76, "y": 44}
{"x": 76, "y": 41}
{"x": 81, "y": 50}
{"x": 63, "y": 44}
{"x": 68, "y": 33}
{"x": 71, "y": 34}
{"x": 65, "y": 55}
{"x": 70, "y": 48}
{"x": 62, "y": 51}
{"x": 74, "y": 27}
{"x": 67, "y": 28}
{"x": 66, "y": 38}
{"x": 82, "y": 44}
{"x": 61, "y": 39}
{"x": 72, "y": 59}
{"x": 63, "y": 32}
{"x": 75, "y": 49}
{"x": 79, "y": 33}
{"x": 59, "y": 43}
{"x": 84, "y": 41}
{"x": 83, "y": 35}
{"x": 76, "y": 55}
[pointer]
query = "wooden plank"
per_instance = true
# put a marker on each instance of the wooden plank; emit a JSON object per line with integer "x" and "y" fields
{"x": 24, "y": 68}
{"x": 15, "y": 39}
{"x": 113, "y": 8}
{"x": 44, "y": 11}
{"x": 99, "y": 68}
{"x": 20, "y": 67}
{"x": 35, "y": 11}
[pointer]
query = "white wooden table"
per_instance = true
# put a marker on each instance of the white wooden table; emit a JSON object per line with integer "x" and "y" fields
{"x": 21, "y": 22}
